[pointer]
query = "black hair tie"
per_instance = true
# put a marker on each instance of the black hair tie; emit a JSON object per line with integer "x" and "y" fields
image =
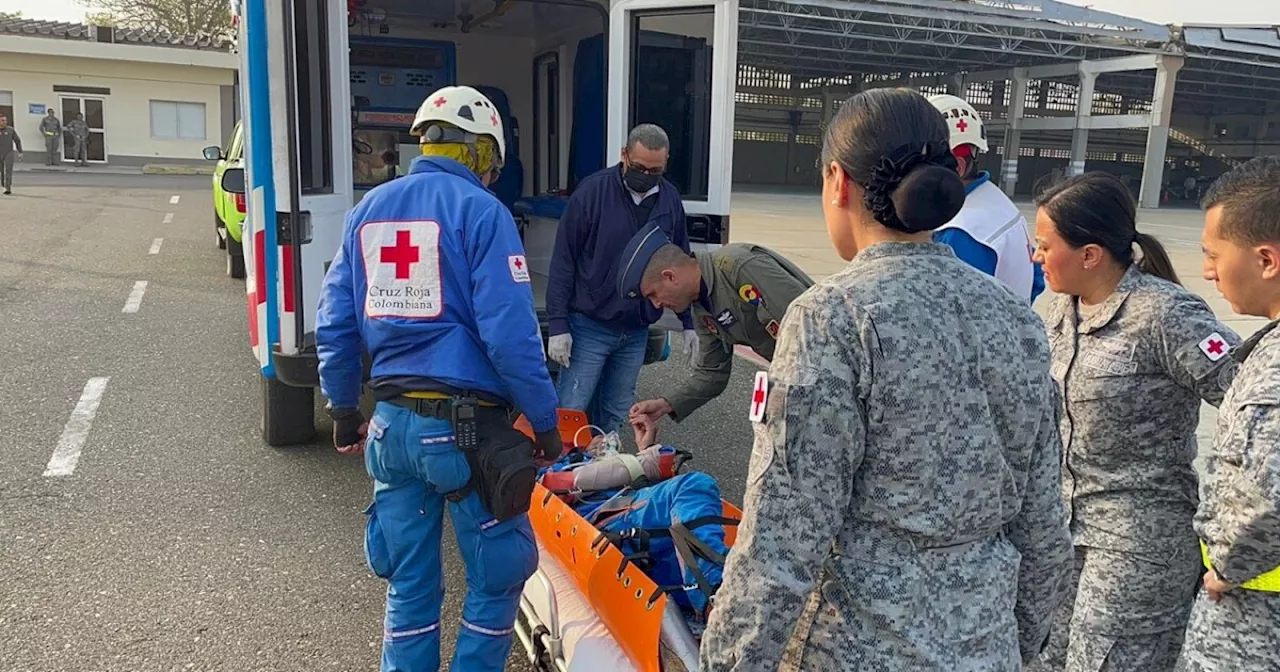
{"x": 885, "y": 178}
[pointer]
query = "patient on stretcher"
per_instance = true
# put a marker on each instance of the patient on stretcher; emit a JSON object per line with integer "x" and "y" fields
{"x": 668, "y": 523}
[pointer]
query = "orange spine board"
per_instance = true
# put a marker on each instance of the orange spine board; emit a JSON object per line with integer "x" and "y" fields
{"x": 622, "y": 601}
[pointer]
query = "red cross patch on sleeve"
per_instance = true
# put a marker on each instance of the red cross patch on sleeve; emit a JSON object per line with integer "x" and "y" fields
{"x": 1214, "y": 347}
{"x": 519, "y": 269}
{"x": 759, "y": 394}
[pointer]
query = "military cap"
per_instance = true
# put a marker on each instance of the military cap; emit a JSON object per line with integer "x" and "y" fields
{"x": 635, "y": 257}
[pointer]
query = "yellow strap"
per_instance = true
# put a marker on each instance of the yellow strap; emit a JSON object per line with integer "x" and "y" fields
{"x": 1268, "y": 582}
{"x": 441, "y": 395}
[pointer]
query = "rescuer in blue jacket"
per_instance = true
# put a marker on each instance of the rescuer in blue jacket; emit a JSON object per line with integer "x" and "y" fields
{"x": 990, "y": 233}
{"x": 431, "y": 280}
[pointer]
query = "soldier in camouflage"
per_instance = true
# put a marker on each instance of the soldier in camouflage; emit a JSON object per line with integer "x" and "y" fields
{"x": 1133, "y": 354}
{"x": 1235, "y": 619}
{"x": 907, "y": 463}
{"x": 738, "y": 293}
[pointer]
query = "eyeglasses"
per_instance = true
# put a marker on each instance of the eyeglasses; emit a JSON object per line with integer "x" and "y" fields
{"x": 645, "y": 169}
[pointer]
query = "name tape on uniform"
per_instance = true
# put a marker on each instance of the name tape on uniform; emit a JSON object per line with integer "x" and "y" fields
{"x": 1214, "y": 347}
{"x": 402, "y": 267}
{"x": 519, "y": 268}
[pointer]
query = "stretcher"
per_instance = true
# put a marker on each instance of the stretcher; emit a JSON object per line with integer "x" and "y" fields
{"x": 587, "y": 608}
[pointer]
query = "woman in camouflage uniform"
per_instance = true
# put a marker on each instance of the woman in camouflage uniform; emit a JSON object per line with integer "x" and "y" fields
{"x": 1133, "y": 354}
{"x": 907, "y": 465}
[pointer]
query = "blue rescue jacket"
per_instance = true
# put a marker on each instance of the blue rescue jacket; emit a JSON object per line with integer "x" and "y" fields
{"x": 431, "y": 278}
{"x": 598, "y": 222}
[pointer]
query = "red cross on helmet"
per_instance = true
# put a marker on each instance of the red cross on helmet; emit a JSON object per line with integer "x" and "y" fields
{"x": 962, "y": 120}
{"x": 465, "y": 108}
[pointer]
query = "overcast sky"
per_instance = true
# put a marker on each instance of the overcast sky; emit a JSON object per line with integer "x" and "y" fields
{"x": 1160, "y": 11}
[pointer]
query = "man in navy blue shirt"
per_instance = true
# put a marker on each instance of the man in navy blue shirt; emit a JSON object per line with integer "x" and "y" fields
{"x": 597, "y": 336}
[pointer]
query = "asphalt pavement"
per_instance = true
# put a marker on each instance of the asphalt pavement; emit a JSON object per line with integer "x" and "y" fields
{"x": 166, "y": 535}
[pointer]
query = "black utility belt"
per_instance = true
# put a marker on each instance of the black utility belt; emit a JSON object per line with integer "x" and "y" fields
{"x": 442, "y": 409}
{"x": 500, "y": 456}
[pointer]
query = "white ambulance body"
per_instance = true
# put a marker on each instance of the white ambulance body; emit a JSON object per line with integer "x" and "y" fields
{"x": 329, "y": 91}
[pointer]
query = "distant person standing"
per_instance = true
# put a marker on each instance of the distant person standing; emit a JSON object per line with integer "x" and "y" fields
{"x": 79, "y": 140}
{"x": 51, "y": 127}
{"x": 10, "y": 151}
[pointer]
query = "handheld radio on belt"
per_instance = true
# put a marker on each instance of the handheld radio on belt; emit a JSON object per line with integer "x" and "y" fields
{"x": 465, "y": 432}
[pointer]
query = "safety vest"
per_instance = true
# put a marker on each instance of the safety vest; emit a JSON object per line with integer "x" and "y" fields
{"x": 990, "y": 218}
{"x": 1268, "y": 582}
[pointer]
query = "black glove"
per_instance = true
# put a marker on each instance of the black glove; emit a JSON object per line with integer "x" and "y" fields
{"x": 547, "y": 446}
{"x": 347, "y": 424}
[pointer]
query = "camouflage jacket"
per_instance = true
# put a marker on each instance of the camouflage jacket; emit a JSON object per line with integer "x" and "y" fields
{"x": 748, "y": 289}
{"x": 908, "y": 468}
{"x": 1133, "y": 373}
{"x": 1239, "y": 514}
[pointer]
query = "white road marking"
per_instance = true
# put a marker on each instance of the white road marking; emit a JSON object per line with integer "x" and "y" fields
{"x": 155, "y": 245}
{"x": 67, "y": 454}
{"x": 135, "y": 297}
{"x": 168, "y": 216}
{"x": 174, "y": 199}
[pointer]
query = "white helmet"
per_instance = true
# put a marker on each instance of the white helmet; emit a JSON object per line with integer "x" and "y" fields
{"x": 465, "y": 108}
{"x": 962, "y": 120}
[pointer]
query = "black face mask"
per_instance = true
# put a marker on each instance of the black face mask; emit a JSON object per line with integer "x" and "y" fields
{"x": 639, "y": 181}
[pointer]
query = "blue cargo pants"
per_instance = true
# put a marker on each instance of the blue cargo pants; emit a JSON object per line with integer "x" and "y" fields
{"x": 414, "y": 462}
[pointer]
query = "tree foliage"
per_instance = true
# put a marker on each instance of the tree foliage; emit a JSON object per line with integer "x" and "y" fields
{"x": 5, "y": 16}
{"x": 184, "y": 17}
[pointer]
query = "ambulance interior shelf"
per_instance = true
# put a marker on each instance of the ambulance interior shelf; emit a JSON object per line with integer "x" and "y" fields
{"x": 390, "y": 77}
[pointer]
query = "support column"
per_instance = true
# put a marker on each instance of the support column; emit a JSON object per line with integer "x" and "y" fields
{"x": 1013, "y": 132}
{"x": 1080, "y": 136}
{"x": 955, "y": 84}
{"x": 828, "y": 106}
{"x": 1158, "y": 135}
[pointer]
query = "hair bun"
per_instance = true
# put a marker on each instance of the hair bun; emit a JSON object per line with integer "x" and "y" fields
{"x": 928, "y": 197}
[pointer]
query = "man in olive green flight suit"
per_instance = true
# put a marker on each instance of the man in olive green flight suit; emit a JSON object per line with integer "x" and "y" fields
{"x": 738, "y": 293}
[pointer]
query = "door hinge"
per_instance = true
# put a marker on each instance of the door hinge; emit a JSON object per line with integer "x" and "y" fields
{"x": 285, "y": 228}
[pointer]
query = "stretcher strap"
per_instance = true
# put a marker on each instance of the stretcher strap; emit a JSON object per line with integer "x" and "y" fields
{"x": 640, "y": 557}
{"x": 690, "y": 548}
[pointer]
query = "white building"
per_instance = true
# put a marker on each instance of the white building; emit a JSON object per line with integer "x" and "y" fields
{"x": 147, "y": 97}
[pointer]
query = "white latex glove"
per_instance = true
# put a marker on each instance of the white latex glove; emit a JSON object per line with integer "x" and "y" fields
{"x": 559, "y": 347}
{"x": 691, "y": 345}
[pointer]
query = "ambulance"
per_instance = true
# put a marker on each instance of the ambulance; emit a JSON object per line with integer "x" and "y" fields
{"x": 329, "y": 93}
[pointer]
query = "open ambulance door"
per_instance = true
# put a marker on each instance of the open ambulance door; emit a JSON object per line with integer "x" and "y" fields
{"x": 296, "y": 71}
{"x": 674, "y": 63}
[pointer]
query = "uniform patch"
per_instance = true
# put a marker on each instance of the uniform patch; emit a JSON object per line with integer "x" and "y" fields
{"x": 772, "y": 328}
{"x": 750, "y": 294}
{"x": 1214, "y": 347}
{"x": 1113, "y": 348}
{"x": 711, "y": 324}
{"x": 726, "y": 318}
{"x": 759, "y": 394}
{"x": 519, "y": 269}
{"x": 402, "y": 269}
{"x": 1109, "y": 366}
